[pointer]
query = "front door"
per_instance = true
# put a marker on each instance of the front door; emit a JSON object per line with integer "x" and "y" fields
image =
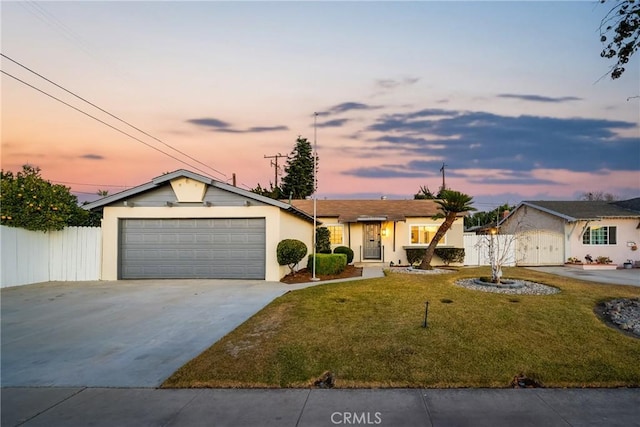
{"x": 371, "y": 240}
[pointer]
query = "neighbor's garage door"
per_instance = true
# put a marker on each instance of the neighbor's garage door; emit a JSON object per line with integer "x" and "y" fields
{"x": 539, "y": 247}
{"x": 192, "y": 248}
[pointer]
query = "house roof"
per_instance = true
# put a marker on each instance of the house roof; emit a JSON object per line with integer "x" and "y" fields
{"x": 369, "y": 210}
{"x": 168, "y": 177}
{"x": 585, "y": 210}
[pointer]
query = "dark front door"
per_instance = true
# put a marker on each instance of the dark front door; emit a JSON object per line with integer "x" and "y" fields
{"x": 371, "y": 240}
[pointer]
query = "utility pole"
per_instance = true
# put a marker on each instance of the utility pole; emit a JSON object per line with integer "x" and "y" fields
{"x": 443, "y": 184}
{"x": 275, "y": 164}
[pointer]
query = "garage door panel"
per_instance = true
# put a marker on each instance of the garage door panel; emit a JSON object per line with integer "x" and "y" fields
{"x": 192, "y": 248}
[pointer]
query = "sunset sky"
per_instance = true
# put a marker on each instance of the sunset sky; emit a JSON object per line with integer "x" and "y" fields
{"x": 508, "y": 95}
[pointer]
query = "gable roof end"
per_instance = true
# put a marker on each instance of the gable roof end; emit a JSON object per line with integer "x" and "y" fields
{"x": 163, "y": 179}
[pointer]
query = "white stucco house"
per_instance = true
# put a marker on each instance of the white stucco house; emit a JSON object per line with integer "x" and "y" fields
{"x": 185, "y": 225}
{"x": 551, "y": 232}
{"x": 382, "y": 230}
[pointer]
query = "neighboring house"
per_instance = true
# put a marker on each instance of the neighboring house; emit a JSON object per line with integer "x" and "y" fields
{"x": 382, "y": 230}
{"x": 550, "y": 232}
{"x": 185, "y": 225}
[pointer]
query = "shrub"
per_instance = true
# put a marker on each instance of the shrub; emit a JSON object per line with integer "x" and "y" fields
{"x": 328, "y": 263}
{"x": 290, "y": 252}
{"x": 449, "y": 255}
{"x": 323, "y": 240}
{"x": 415, "y": 255}
{"x": 345, "y": 250}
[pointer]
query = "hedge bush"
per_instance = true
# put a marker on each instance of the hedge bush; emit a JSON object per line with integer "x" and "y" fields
{"x": 415, "y": 255}
{"x": 290, "y": 252}
{"x": 328, "y": 263}
{"x": 345, "y": 250}
{"x": 449, "y": 255}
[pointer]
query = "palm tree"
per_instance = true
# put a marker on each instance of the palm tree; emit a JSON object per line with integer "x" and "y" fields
{"x": 451, "y": 204}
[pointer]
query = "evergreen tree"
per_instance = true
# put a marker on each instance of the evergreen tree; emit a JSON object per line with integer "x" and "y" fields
{"x": 298, "y": 182}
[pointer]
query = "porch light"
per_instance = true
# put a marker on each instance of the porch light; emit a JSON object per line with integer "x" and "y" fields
{"x": 385, "y": 232}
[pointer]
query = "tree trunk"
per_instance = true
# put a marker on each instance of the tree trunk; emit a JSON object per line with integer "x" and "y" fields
{"x": 442, "y": 230}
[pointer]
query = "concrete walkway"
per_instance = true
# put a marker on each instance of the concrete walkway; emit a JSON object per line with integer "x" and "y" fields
{"x": 302, "y": 407}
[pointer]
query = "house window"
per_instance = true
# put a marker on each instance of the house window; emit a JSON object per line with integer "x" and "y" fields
{"x": 422, "y": 234}
{"x": 599, "y": 236}
{"x": 335, "y": 236}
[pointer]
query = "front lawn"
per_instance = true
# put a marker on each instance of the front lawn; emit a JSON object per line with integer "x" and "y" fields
{"x": 369, "y": 334}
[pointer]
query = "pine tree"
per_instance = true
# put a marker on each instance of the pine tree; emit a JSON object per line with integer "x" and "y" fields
{"x": 298, "y": 182}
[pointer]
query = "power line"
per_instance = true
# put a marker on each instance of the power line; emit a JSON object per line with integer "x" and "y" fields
{"x": 89, "y": 185}
{"x": 112, "y": 115}
{"x": 49, "y": 19}
{"x": 103, "y": 122}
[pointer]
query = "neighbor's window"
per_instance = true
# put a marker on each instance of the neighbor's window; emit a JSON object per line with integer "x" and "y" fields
{"x": 599, "y": 236}
{"x": 422, "y": 234}
{"x": 336, "y": 234}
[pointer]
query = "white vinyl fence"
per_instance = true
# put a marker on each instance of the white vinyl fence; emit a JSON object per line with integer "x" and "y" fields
{"x": 67, "y": 255}
{"x": 476, "y": 249}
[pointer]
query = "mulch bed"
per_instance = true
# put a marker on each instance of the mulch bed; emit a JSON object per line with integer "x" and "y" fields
{"x": 304, "y": 275}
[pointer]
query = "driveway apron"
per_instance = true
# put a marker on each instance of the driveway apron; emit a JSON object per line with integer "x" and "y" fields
{"x": 118, "y": 334}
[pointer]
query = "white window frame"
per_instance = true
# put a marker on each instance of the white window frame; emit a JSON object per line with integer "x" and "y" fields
{"x": 336, "y": 225}
{"x": 443, "y": 241}
{"x": 608, "y": 242}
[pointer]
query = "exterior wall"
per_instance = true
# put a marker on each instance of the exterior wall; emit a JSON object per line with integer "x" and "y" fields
{"x": 291, "y": 227}
{"x": 452, "y": 239}
{"x": 277, "y": 228}
{"x": 353, "y": 235}
{"x": 626, "y": 235}
{"x": 528, "y": 218}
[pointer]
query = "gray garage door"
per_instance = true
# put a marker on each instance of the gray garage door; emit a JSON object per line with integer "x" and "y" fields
{"x": 199, "y": 248}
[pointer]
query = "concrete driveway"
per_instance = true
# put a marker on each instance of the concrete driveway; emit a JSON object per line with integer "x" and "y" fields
{"x": 119, "y": 334}
{"x": 620, "y": 276}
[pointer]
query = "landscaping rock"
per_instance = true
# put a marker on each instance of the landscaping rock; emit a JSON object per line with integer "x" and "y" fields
{"x": 524, "y": 287}
{"x": 624, "y": 313}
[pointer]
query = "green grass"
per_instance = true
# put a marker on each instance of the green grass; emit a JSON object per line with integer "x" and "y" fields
{"x": 369, "y": 334}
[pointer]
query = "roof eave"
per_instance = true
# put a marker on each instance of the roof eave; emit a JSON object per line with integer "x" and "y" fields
{"x": 547, "y": 210}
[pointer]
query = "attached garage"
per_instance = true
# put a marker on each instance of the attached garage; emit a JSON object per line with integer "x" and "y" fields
{"x": 182, "y": 225}
{"x": 192, "y": 248}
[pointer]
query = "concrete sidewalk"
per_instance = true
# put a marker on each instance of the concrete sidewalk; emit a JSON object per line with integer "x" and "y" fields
{"x": 304, "y": 407}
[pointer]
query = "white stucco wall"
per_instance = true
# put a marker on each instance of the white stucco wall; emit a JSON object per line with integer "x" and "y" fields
{"x": 279, "y": 225}
{"x": 292, "y": 227}
{"x": 453, "y": 238}
{"x": 626, "y": 234}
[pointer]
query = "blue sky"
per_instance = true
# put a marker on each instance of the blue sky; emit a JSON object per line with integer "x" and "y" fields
{"x": 508, "y": 95}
